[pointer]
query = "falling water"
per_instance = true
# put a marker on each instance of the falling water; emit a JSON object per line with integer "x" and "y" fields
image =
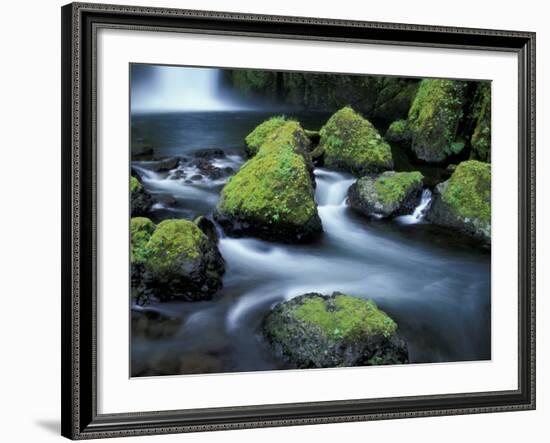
{"x": 420, "y": 211}
{"x": 176, "y": 88}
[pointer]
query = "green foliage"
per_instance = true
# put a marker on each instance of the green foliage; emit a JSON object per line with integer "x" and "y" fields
{"x": 257, "y": 137}
{"x": 135, "y": 185}
{"x": 173, "y": 243}
{"x": 350, "y": 317}
{"x": 273, "y": 186}
{"x": 434, "y": 117}
{"x": 481, "y": 137}
{"x": 141, "y": 229}
{"x": 352, "y": 143}
{"x": 468, "y": 192}
{"x": 392, "y": 188}
{"x": 398, "y": 131}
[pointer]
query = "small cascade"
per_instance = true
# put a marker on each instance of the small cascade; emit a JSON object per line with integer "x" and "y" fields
{"x": 420, "y": 211}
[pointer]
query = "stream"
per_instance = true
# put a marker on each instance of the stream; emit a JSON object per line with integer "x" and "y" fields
{"x": 433, "y": 283}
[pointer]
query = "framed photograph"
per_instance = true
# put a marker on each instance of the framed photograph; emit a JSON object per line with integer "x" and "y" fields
{"x": 273, "y": 221}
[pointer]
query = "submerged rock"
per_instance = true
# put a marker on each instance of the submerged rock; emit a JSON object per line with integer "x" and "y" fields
{"x": 320, "y": 331}
{"x": 434, "y": 119}
{"x": 351, "y": 143}
{"x": 464, "y": 201}
{"x": 389, "y": 194}
{"x": 181, "y": 262}
{"x": 272, "y": 195}
{"x": 152, "y": 324}
{"x": 140, "y": 200}
{"x": 160, "y": 165}
{"x": 209, "y": 153}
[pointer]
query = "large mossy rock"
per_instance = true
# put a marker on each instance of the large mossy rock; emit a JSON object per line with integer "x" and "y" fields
{"x": 351, "y": 143}
{"x": 181, "y": 262}
{"x": 140, "y": 201}
{"x": 464, "y": 201}
{"x": 480, "y": 140}
{"x": 272, "y": 195}
{"x": 320, "y": 331}
{"x": 389, "y": 194}
{"x": 434, "y": 119}
{"x": 141, "y": 229}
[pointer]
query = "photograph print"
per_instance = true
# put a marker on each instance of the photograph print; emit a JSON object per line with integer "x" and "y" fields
{"x": 301, "y": 220}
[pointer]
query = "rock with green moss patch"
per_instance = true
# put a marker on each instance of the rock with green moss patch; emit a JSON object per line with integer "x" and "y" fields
{"x": 434, "y": 119}
{"x": 398, "y": 132}
{"x": 464, "y": 201}
{"x": 141, "y": 229}
{"x": 480, "y": 140}
{"x": 140, "y": 200}
{"x": 257, "y": 137}
{"x": 351, "y": 143}
{"x": 272, "y": 195}
{"x": 389, "y": 194}
{"x": 181, "y": 262}
{"x": 320, "y": 331}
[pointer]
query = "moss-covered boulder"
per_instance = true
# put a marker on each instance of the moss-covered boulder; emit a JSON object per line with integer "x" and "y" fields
{"x": 320, "y": 331}
{"x": 140, "y": 200}
{"x": 181, "y": 262}
{"x": 434, "y": 119}
{"x": 389, "y": 194}
{"x": 272, "y": 195}
{"x": 480, "y": 140}
{"x": 464, "y": 201}
{"x": 398, "y": 132}
{"x": 351, "y": 143}
{"x": 258, "y": 136}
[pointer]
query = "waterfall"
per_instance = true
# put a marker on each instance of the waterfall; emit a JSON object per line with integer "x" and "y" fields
{"x": 177, "y": 88}
{"x": 420, "y": 211}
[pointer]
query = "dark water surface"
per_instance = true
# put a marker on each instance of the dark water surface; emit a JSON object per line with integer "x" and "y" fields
{"x": 434, "y": 283}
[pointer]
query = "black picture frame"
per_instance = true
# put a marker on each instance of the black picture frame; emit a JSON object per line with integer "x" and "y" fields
{"x": 79, "y": 171}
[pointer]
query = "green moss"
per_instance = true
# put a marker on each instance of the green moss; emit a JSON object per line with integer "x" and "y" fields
{"x": 273, "y": 186}
{"x": 349, "y": 317}
{"x": 352, "y": 143}
{"x": 398, "y": 131}
{"x": 434, "y": 117}
{"x": 289, "y": 134}
{"x": 468, "y": 191}
{"x": 392, "y": 188}
{"x": 173, "y": 243}
{"x": 135, "y": 185}
{"x": 141, "y": 229}
{"x": 481, "y": 137}
{"x": 257, "y": 137}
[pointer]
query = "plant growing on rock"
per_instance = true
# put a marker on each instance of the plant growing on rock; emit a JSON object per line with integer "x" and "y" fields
{"x": 351, "y": 143}
{"x": 319, "y": 331}
{"x": 179, "y": 261}
{"x": 272, "y": 196}
{"x": 434, "y": 119}
{"x": 389, "y": 194}
{"x": 464, "y": 201}
{"x": 140, "y": 201}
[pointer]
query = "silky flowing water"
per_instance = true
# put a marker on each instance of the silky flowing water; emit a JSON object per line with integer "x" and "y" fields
{"x": 434, "y": 283}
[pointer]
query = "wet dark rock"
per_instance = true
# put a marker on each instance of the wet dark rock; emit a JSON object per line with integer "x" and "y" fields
{"x": 209, "y": 153}
{"x": 140, "y": 200}
{"x": 207, "y": 227}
